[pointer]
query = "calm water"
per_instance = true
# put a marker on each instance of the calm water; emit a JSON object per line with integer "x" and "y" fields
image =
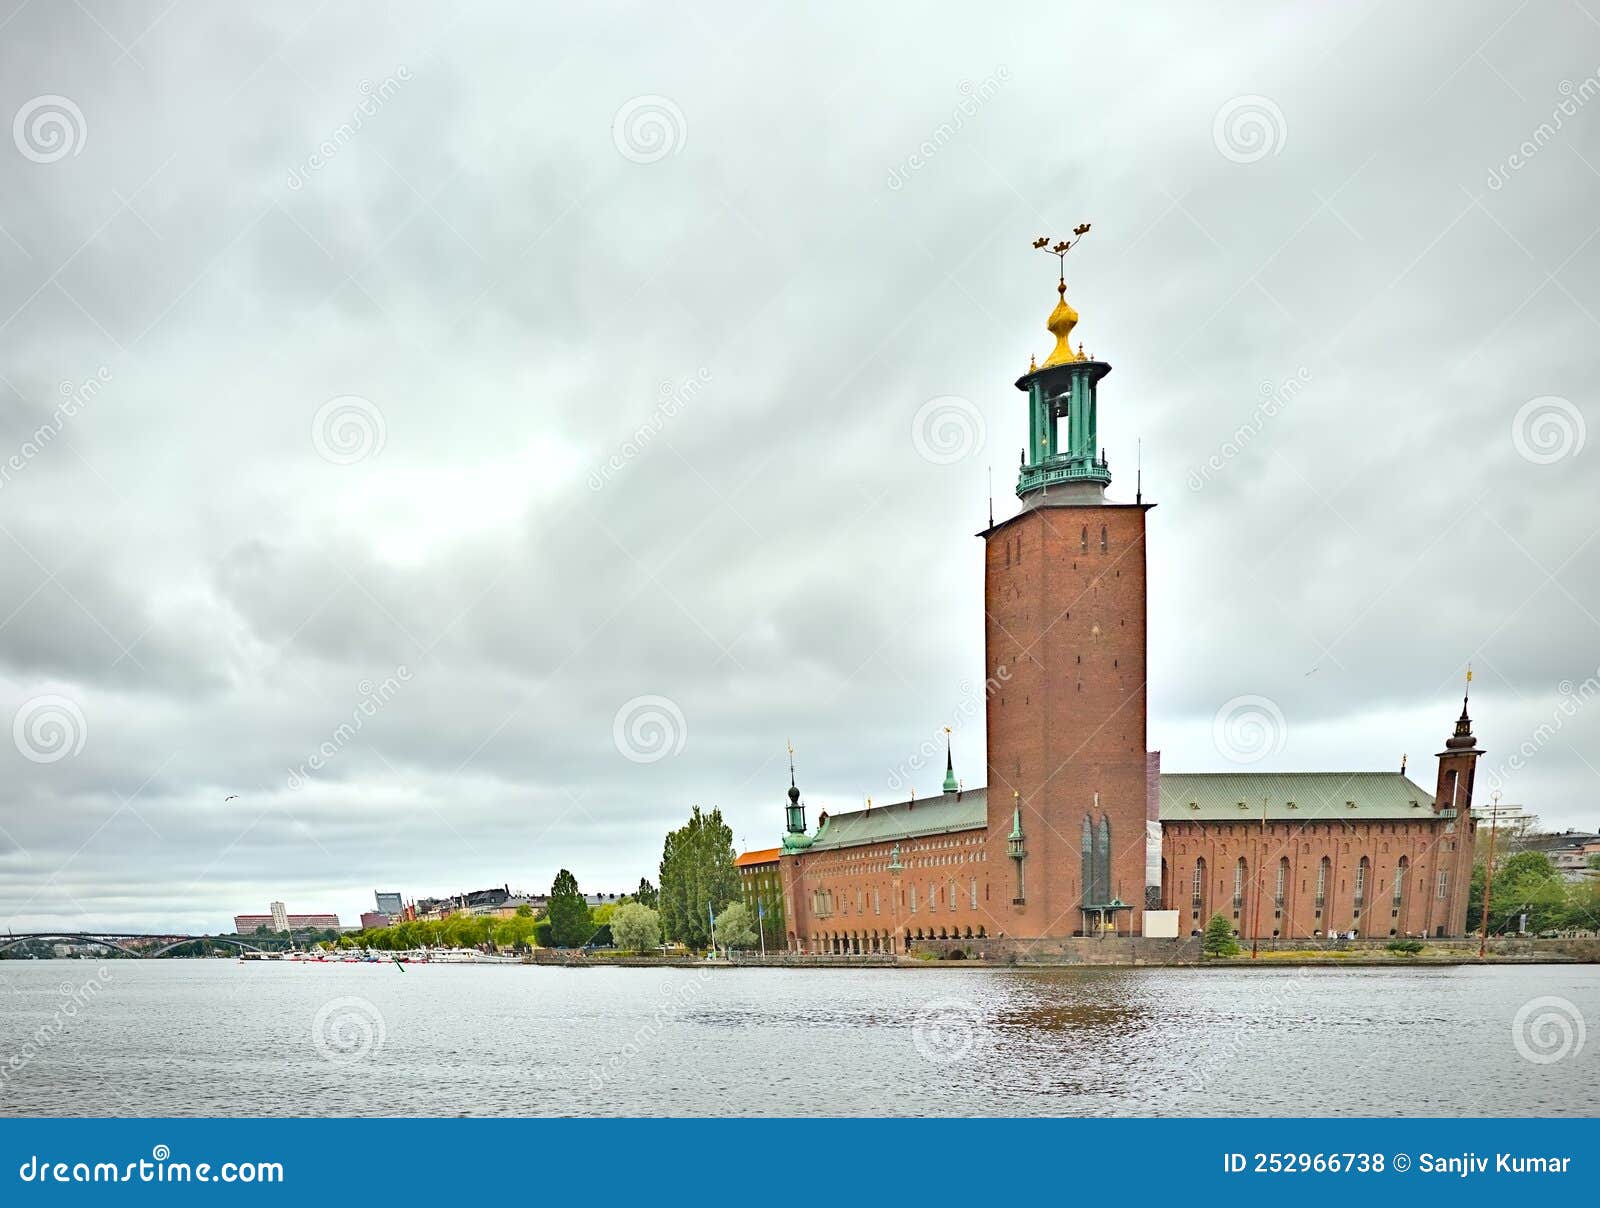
{"x": 217, "y": 1037}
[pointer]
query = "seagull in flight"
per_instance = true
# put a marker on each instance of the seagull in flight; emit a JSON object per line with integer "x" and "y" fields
{"x": 233, "y": 797}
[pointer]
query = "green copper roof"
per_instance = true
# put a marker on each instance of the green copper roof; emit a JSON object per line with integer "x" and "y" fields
{"x": 1317, "y": 796}
{"x": 904, "y": 820}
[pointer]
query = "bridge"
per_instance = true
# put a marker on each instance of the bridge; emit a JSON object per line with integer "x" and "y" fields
{"x": 120, "y": 941}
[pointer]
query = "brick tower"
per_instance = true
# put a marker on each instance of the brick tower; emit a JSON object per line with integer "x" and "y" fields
{"x": 1451, "y": 877}
{"x": 1064, "y": 598}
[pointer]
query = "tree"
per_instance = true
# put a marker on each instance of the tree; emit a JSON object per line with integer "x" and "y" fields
{"x": 697, "y": 872}
{"x": 1218, "y": 939}
{"x": 635, "y": 927}
{"x": 570, "y": 922}
{"x": 647, "y": 894}
{"x": 735, "y": 926}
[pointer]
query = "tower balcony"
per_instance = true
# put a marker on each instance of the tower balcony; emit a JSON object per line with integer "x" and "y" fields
{"x": 1052, "y": 473}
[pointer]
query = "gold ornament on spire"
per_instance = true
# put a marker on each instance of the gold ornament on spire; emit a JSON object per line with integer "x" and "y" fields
{"x": 1063, "y": 318}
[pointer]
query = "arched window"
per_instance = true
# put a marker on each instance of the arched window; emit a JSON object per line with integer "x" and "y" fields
{"x": 1104, "y": 545}
{"x": 1283, "y": 881}
{"x": 1086, "y": 845}
{"x": 1102, "y": 861}
{"x": 1238, "y": 884}
{"x": 1361, "y": 881}
{"x": 1197, "y": 898}
{"x": 1322, "y": 881}
{"x": 1085, "y": 539}
{"x": 1400, "y": 871}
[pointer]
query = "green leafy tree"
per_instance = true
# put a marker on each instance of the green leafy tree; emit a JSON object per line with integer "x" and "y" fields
{"x": 648, "y": 895}
{"x": 1218, "y": 939}
{"x": 697, "y": 872}
{"x": 736, "y": 926}
{"x": 635, "y": 927}
{"x": 571, "y": 924}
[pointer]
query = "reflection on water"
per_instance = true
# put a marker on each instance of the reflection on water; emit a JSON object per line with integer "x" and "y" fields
{"x": 217, "y": 1037}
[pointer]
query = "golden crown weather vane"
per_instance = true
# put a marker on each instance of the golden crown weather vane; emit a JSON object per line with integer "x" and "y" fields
{"x": 1061, "y": 248}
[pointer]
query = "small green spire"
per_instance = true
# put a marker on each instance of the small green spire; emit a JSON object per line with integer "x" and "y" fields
{"x": 951, "y": 784}
{"x": 1016, "y": 822}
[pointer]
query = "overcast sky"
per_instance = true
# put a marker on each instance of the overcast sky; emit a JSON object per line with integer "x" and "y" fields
{"x": 577, "y": 405}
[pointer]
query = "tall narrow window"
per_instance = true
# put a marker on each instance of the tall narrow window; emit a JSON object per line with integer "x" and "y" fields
{"x": 1103, "y": 862}
{"x": 1085, "y": 539}
{"x": 972, "y": 894}
{"x": 1400, "y": 871}
{"x": 1087, "y": 850}
{"x": 1104, "y": 545}
{"x": 913, "y": 899}
{"x": 1238, "y": 884}
{"x": 1444, "y": 884}
{"x": 1197, "y": 899}
{"x": 877, "y": 903}
{"x": 1283, "y": 880}
{"x": 1322, "y": 882}
{"x": 951, "y": 892}
{"x": 1361, "y": 882}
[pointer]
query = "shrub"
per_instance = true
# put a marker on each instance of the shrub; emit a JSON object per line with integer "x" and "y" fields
{"x": 1404, "y": 947}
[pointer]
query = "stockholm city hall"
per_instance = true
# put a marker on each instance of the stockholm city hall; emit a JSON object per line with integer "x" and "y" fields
{"x": 1057, "y": 848}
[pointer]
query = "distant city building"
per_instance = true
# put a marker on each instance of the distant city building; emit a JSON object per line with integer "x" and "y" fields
{"x": 499, "y": 902}
{"x": 389, "y": 903}
{"x": 281, "y": 920}
{"x": 374, "y": 918}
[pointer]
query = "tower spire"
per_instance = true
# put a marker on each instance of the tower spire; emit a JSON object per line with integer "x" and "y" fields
{"x": 951, "y": 784}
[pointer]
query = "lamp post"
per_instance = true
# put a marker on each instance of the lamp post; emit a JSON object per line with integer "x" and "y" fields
{"x": 1255, "y": 921}
{"x": 1488, "y": 872}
